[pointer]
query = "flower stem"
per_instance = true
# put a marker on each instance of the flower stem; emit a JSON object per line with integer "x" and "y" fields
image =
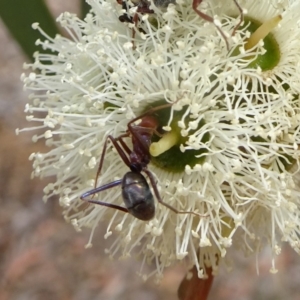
{"x": 167, "y": 141}
{"x": 196, "y": 288}
{"x": 262, "y": 31}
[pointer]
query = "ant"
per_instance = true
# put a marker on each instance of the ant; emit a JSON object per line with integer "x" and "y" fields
{"x": 143, "y": 7}
{"x": 136, "y": 192}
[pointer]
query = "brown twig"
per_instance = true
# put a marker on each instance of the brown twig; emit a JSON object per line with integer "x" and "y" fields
{"x": 195, "y": 288}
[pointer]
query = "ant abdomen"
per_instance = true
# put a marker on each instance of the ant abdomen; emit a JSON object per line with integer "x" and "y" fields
{"x": 137, "y": 196}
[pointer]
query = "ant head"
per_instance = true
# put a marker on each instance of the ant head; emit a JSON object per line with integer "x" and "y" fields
{"x": 149, "y": 122}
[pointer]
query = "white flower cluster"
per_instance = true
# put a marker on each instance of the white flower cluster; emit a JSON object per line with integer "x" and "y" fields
{"x": 99, "y": 79}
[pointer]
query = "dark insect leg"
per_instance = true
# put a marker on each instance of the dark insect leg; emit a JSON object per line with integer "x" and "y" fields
{"x": 134, "y": 133}
{"x": 114, "y": 183}
{"x": 119, "y": 150}
{"x": 125, "y": 18}
{"x": 135, "y": 20}
{"x": 143, "y": 8}
{"x": 208, "y": 18}
{"x": 125, "y": 147}
{"x": 204, "y": 16}
{"x": 241, "y": 17}
{"x": 149, "y": 112}
{"x": 156, "y": 192}
{"x": 100, "y": 189}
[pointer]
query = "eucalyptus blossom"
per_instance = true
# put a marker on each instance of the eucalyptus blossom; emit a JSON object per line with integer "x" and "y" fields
{"x": 230, "y": 145}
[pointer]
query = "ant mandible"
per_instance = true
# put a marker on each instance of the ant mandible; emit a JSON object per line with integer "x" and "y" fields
{"x": 136, "y": 192}
{"x": 143, "y": 7}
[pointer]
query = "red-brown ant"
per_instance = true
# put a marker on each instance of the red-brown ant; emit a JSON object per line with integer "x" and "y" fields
{"x": 136, "y": 192}
{"x": 143, "y": 7}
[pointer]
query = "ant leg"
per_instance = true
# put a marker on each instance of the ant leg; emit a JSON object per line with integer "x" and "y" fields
{"x": 208, "y": 18}
{"x": 141, "y": 9}
{"x": 156, "y": 192}
{"x": 119, "y": 150}
{"x": 149, "y": 112}
{"x": 241, "y": 17}
{"x": 100, "y": 189}
{"x": 111, "y": 184}
{"x": 204, "y": 16}
{"x": 125, "y": 147}
{"x": 124, "y": 18}
{"x": 135, "y": 20}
